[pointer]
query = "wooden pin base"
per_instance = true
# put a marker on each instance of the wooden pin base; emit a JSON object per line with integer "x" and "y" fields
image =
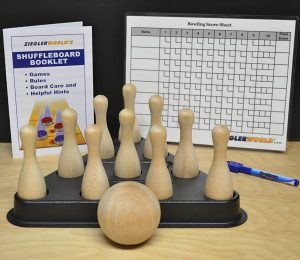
{"x": 64, "y": 207}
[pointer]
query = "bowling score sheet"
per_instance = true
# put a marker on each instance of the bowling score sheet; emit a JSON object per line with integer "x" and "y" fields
{"x": 231, "y": 71}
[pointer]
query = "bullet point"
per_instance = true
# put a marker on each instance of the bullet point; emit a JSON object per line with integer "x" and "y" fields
{"x": 25, "y": 74}
{"x": 26, "y": 93}
{"x": 25, "y": 80}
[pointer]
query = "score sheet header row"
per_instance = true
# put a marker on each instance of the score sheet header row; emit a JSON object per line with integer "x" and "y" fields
{"x": 200, "y": 33}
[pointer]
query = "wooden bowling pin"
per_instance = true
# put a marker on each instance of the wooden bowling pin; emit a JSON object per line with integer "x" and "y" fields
{"x": 94, "y": 182}
{"x": 129, "y": 94}
{"x": 156, "y": 104}
{"x": 31, "y": 184}
{"x": 158, "y": 178}
{"x": 70, "y": 163}
{"x": 185, "y": 163}
{"x": 107, "y": 149}
{"x": 127, "y": 163}
{"x": 218, "y": 184}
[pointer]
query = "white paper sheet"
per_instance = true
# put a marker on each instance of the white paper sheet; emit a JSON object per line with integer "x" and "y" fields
{"x": 230, "y": 71}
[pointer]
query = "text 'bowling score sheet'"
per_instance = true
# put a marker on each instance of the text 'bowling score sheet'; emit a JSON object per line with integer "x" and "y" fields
{"x": 231, "y": 71}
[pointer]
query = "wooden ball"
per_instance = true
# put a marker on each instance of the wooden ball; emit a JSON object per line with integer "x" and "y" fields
{"x": 129, "y": 213}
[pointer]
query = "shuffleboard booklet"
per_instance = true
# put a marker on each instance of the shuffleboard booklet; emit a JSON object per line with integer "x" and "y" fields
{"x": 48, "y": 68}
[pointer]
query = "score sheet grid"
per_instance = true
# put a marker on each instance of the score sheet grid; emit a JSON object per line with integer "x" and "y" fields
{"x": 231, "y": 77}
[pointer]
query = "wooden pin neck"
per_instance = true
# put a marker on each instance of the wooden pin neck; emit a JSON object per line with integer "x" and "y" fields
{"x": 93, "y": 136}
{"x": 126, "y": 118}
{"x": 69, "y": 119}
{"x": 156, "y": 106}
{"x": 101, "y": 119}
{"x": 158, "y": 136}
{"x": 129, "y": 104}
{"x": 29, "y": 153}
{"x": 129, "y": 94}
{"x": 220, "y": 136}
{"x": 28, "y": 138}
{"x": 220, "y": 153}
{"x": 186, "y": 120}
{"x": 158, "y": 153}
{"x": 186, "y": 134}
{"x": 155, "y": 120}
{"x": 69, "y": 132}
{"x": 100, "y": 107}
{"x": 127, "y": 133}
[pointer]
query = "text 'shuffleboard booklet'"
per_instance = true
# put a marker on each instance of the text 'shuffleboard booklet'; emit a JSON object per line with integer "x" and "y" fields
{"x": 48, "y": 69}
{"x": 236, "y": 71}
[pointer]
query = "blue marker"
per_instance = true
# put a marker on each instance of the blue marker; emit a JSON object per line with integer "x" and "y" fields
{"x": 239, "y": 167}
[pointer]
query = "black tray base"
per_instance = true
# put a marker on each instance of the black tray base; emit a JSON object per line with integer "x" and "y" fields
{"x": 64, "y": 207}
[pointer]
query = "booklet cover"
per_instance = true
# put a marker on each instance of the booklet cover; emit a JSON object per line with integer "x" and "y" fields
{"x": 48, "y": 68}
